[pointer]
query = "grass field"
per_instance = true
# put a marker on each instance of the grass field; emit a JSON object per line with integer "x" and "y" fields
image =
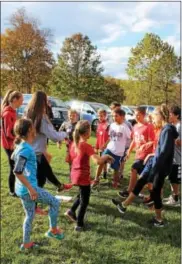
{"x": 113, "y": 239}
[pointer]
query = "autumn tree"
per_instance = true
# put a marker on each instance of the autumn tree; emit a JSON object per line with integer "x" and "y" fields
{"x": 78, "y": 71}
{"x": 25, "y": 57}
{"x": 154, "y": 64}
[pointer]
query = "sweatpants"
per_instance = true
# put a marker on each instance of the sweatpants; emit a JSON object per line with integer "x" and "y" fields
{"x": 82, "y": 200}
{"x": 29, "y": 208}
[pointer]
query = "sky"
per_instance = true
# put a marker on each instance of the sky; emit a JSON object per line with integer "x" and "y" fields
{"x": 114, "y": 27}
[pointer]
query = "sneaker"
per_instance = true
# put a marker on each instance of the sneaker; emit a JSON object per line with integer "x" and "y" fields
{"x": 59, "y": 235}
{"x": 40, "y": 211}
{"x": 148, "y": 201}
{"x": 119, "y": 206}
{"x": 71, "y": 215}
{"x": 141, "y": 195}
{"x": 64, "y": 187}
{"x": 13, "y": 194}
{"x": 171, "y": 201}
{"x": 156, "y": 223}
{"x": 32, "y": 246}
{"x": 123, "y": 194}
{"x": 82, "y": 228}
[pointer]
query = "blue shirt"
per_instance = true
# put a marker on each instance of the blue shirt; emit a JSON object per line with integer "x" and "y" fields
{"x": 28, "y": 167}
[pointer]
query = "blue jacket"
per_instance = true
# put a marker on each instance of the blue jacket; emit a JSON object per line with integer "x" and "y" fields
{"x": 163, "y": 159}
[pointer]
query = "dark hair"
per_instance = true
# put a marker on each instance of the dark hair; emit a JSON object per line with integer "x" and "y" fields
{"x": 176, "y": 110}
{"x": 141, "y": 109}
{"x": 36, "y": 109}
{"x": 115, "y": 104}
{"x": 81, "y": 128}
{"x": 164, "y": 112}
{"x": 21, "y": 129}
{"x": 9, "y": 97}
{"x": 101, "y": 110}
{"x": 120, "y": 112}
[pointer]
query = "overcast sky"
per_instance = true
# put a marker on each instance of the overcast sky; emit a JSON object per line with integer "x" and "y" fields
{"x": 113, "y": 27}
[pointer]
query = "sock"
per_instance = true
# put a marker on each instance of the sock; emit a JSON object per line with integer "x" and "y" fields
{"x": 175, "y": 197}
{"x": 105, "y": 174}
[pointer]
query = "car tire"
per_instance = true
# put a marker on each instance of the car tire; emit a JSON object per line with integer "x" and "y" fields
{"x": 94, "y": 125}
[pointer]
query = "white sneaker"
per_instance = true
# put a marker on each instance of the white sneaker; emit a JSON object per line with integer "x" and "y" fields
{"x": 172, "y": 202}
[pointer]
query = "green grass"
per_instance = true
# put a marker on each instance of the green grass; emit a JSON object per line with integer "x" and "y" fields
{"x": 113, "y": 239}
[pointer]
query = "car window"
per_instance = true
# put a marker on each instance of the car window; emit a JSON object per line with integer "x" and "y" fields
{"x": 87, "y": 107}
{"x": 77, "y": 106}
{"x": 55, "y": 102}
{"x": 103, "y": 106}
{"x": 27, "y": 98}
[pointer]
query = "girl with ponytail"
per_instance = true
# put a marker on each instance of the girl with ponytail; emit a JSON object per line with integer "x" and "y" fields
{"x": 80, "y": 153}
{"x": 26, "y": 186}
{"x": 12, "y": 100}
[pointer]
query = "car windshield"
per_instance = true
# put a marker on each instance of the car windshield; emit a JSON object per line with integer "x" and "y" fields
{"x": 26, "y": 98}
{"x": 103, "y": 106}
{"x": 57, "y": 103}
{"x": 127, "y": 110}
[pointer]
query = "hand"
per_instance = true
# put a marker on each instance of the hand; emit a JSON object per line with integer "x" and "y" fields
{"x": 127, "y": 155}
{"x": 102, "y": 148}
{"x": 33, "y": 194}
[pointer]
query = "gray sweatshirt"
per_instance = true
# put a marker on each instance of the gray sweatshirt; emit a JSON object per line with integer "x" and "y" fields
{"x": 46, "y": 131}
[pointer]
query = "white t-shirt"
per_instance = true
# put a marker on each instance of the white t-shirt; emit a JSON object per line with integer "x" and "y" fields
{"x": 119, "y": 135}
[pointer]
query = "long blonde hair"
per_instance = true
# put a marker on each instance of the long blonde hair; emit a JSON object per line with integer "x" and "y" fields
{"x": 164, "y": 112}
{"x": 9, "y": 97}
{"x": 82, "y": 127}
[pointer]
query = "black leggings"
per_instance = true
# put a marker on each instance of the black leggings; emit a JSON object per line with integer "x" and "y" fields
{"x": 44, "y": 171}
{"x": 82, "y": 200}
{"x": 156, "y": 191}
{"x": 11, "y": 178}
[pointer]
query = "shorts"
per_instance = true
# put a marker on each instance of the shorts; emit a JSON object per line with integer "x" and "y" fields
{"x": 117, "y": 159}
{"x": 175, "y": 174}
{"x": 146, "y": 171}
{"x": 138, "y": 166}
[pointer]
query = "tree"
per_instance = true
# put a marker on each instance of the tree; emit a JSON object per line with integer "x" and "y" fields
{"x": 78, "y": 71}
{"x": 25, "y": 56}
{"x": 154, "y": 64}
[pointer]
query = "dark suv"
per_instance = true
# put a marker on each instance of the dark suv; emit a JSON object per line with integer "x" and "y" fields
{"x": 59, "y": 109}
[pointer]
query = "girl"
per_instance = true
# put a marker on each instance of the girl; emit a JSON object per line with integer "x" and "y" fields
{"x": 10, "y": 103}
{"x": 36, "y": 111}
{"x": 26, "y": 183}
{"x": 81, "y": 152}
{"x": 162, "y": 162}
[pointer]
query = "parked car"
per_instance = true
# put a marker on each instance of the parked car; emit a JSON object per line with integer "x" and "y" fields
{"x": 130, "y": 115}
{"x": 88, "y": 111}
{"x": 59, "y": 109}
{"x": 149, "y": 108}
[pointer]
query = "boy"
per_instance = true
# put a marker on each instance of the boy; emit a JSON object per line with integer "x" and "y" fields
{"x": 69, "y": 127}
{"x": 119, "y": 133}
{"x": 175, "y": 174}
{"x": 142, "y": 140}
{"x": 102, "y": 136}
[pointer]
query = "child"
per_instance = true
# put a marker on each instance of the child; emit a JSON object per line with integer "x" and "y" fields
{"x": 162, "y": 161}
{"x": 142, "y": 140}
{"x": 119, "y": 134}
{"x": 69, "y": 128}
{"x": 26, "y": 183}
{"x": 81, "y": 152}
{"x": 144, "y": 176}
{"x": 102, "y": 136}
{"x": 175, "y": 174}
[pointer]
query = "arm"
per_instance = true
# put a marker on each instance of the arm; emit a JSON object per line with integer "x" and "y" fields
{"x": 132, "y": 145}
{"x": 48, "y": 130}
{"x": 178, "y": 142}
{"x": 8, "y": 127}
{"x": 22, "y": 178}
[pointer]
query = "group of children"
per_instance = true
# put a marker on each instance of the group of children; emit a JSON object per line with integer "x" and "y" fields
{"x": 157, "y": 149}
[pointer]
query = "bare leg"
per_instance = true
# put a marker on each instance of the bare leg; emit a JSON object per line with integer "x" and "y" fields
{"x": 129, "y": 199}
{"x": 133, "y": 180}
{"x": 99, "y": 171}
{"x": 116, "y": 176}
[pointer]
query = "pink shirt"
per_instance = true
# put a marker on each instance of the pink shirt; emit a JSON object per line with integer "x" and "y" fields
{"x": 80, "y": 169}
{"x": 102, "y": 134}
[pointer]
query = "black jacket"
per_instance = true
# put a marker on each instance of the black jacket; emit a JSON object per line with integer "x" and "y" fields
{"x": 163, "y": 159}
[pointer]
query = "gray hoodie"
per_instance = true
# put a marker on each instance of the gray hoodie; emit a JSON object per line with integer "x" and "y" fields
{"x": 46, "y": 131}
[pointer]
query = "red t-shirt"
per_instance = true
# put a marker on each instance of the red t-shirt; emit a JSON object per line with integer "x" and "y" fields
{"x": 80, "y": 169}
{"x": 102, "y": 134}
{"x": 141, "y": 135}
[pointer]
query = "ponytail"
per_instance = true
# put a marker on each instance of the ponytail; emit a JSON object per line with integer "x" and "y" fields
{"x": 17, "y": 140}
{"x": 5, "y": 101}
{"x": 76, "y": 137}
